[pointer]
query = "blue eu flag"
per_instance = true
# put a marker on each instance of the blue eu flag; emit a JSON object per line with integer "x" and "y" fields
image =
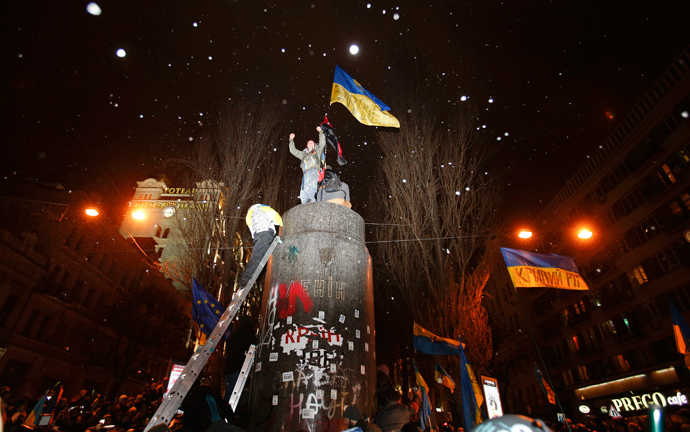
{"x": 205, "y": 309}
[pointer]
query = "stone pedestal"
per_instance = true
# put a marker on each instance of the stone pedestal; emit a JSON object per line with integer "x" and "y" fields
{"x": 316, "y": 354}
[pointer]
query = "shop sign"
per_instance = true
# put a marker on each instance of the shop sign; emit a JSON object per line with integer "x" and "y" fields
{"x": 640, "y": 402}
{"x": 584, "y": 409}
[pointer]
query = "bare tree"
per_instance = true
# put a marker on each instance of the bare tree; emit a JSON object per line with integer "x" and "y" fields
{"x": 232, "y": 168}
{"x": 434, "y": 186}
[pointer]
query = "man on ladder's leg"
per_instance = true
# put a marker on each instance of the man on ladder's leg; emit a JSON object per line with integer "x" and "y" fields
{"x": 261, "y": 220}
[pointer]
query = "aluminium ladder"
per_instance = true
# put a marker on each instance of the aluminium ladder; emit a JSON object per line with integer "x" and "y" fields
{"x": 173, "y": 399}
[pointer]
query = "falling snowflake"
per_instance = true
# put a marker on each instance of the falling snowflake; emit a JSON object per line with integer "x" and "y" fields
{"x": 684, "y": 114}
{"x": 491, "y": 100}
{"x": 467, "y": 188}
{"x": 368, "y": 5}
{"x": 190, "y": 139}
{"x": 141, "y": 116}
{"x": 404, "y": 180}
{"x": 457, "y": 193}
{"x": 282, "y": 50}
{"x": 483, "y": 126}
{"x": 210, "y": 57}
{"x": 93, "y": 9}
{"x": 195, "y": 24}
{"x": 396, "y": 16}
{"x": 383, "y": 12}
{"x": 506, "y": 133}
{"x": 121, "y": 53}
{"x": 498, "y": 138}
{"x": 463, "y": 98}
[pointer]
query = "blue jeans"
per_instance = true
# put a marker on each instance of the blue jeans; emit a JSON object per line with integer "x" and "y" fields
{"x": 310, "y": 182}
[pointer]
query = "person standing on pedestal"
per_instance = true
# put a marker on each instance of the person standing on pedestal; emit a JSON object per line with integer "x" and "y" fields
{"x": 311, "y": 162}
{"x": 261, "y": 220}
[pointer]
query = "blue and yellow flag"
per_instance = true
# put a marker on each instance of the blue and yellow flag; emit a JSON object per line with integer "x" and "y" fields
{"x": 205, "y": 309}
{"x": 470, "y": 408}
{"x": 533, "y": 270}
{"x": 443, "y": 378}
{"x": 681, "y": 332}
{"x": 43, "y": 412}
{"x": 545, "y": 387}
{"x": 428, "y": 343}
{"x": 364, "y": 106}
{"x": 425, "y": 408}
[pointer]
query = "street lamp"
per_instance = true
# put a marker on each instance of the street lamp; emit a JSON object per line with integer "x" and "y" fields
{"x": 525, "y": 234}
{"x": 138, "y": 214}
{"x": 584, "y": 233}
{"x": 91, "y": 212}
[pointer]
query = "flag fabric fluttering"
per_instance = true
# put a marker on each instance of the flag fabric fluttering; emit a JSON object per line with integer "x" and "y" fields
{"x": 332, "y": 139}
{"x": 364, "y": 106}
{"x": 533, "y": 270}
{"x": 470, "y": 407}
{"x": 681, "y": 333}
{"x": 545, "y": 387}
{"x": 443, "y": 378}
{"x": 428, "y": 343}
{"x": 205, "y": 310}
{"x": 425, "y": 408}
{"x": 44, "y": 410}
{"x": 478, "y": 395}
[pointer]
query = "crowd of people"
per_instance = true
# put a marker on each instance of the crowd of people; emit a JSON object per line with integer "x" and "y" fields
{"x": 89, "y": 411}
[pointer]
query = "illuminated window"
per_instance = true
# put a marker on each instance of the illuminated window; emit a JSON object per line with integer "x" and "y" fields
{"x": 574, "y": 344}
{"x": 621, "y": 363}
{"x": 610, "y": 327}
{"x": 638, "y": 275}
{"x": 666, "y": 174}
{"x": 582, "y": 372}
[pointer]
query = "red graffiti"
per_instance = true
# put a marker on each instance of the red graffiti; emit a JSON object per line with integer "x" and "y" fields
{"x": 287, "y": 299}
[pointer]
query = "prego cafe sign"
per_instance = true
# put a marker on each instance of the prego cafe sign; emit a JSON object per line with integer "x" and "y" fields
{"x": 644, "y": 401}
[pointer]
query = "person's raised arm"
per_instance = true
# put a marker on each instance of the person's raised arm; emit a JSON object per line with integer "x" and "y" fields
{"x": 322, "y": 140}
{"x": 293, "y": 150}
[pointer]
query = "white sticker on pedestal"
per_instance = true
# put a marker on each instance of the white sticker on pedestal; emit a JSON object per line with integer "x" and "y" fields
{"x": 356, "y": 313}
{"x": 274, "y": 402}
{"x": 315, "y": 344}
{"x": 308, "y": 413}
{"x": 363, "y": 369}
{"x": 357, "y": 334}
{"x": 300, "y": 353}
{"x": 351, "y": 346}
{"x": 319, "y": 394}
{"x": 289, "y": 319}
{"x": 258, "y": 367}
{"x": 273, "y": 357}
{"x": 333, "y": 368}
{"x": 288, "y": 376}
{"x": 334, "y": 394}
{"x": 368, "y": 330}
{"x": 342, "y": 319}
{"x": 322, "y": 315}
{"x": 366, "y": 347}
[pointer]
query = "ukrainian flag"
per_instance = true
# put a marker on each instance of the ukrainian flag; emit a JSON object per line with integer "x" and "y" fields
{"x": 546, "y": 388}
{"x": 443, "y": 378}
{"x": 681, "y": 332}
{"x": 425, "y": 408}
{"x": 428, "y": 343}
{"x": 364, "y": 106}
{"x": 533, "y": 270}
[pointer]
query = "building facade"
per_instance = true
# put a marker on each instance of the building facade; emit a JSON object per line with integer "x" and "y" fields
{"x": 78, "y": 303}
{"x": 610, "y": 346}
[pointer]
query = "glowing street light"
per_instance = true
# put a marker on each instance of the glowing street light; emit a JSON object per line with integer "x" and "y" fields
{"x": 91, "y": 212}
{"x": 584, "y": 234}
{"x": 525, "y": 234}
{"x": 139, "y": 214}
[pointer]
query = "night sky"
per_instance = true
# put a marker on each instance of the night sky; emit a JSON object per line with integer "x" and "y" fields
{"x": 542, "y": 75}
